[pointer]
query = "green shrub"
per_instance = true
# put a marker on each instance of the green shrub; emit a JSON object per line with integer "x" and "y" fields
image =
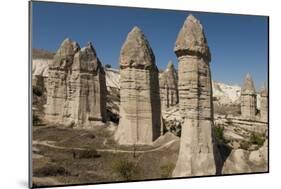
{"x": 257, "y": 139}
{"x": 166, "y": 170}
{"x": 218, "y": 132}
{"x": 125, "y": 169}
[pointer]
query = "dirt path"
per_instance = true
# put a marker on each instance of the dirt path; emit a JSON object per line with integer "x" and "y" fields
{"x": 49, "y": 144}
{"x": 46, "y": 181}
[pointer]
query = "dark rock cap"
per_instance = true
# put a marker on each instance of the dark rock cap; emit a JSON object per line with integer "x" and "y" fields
{"x": 191, "y": 39}
{"x": 136, "y": 51}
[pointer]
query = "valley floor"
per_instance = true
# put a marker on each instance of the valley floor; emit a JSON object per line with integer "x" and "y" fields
{"x": 64, "y": 155}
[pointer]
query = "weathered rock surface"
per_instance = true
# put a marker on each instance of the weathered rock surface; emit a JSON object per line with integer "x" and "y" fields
{"x": 140, "y": 108}
{"x": 264, "y": 105}
{"x": 58, "y": 77}
{"x": 237, "y": 162}
{"x": 168, "y": 87}
{"x": 76, "y": 88}
{"x": 198, "y": 153}
{"x": 86, "y": 100}
{"x": 244, "y": 161}
{"x": 248, "y": 98}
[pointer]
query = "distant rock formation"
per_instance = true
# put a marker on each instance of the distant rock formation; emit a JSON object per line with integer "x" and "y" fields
{"x": 264, "y": 104}
{"x": 76, "y": 90}
{"x": 198, "y": 153}
{"x": 168, "y": 87}
{"x": 248, "y": 98}
{"x": 140, "y": 108}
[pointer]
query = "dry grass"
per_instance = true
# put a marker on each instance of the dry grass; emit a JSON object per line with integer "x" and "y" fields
{"x": 72, "y": 166}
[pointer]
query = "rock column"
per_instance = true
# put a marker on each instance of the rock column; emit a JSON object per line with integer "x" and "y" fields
{"x": 168, "y": 87}
{"x": 58, "y": 79}
{"x": 264, "y": 105}
{"x": 248, "y": 98}
{"x": 198, "y": 153}
{"x": 76, "y": 93}
{"x": 86, "y": 101}
{"x": 140, "y": 108}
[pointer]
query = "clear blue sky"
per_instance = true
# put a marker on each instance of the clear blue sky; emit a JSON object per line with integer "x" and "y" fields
{"x": 238, "y": 43}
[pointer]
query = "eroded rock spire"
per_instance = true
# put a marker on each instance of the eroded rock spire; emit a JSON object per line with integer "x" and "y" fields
{"x": 248, "y": 98}
{"x": 169, "y": 87}
{"x": 198, "y": 152}
{"x": 76, "y": 93}
{"x": 140, "y": 109}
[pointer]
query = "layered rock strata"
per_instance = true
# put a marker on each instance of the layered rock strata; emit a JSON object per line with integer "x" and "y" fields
{"x": 76, "y": 90}
{"x": 140, "y": 108}
{"x": 198, "y": 153}
{"x": 168, "y": 87}
{"x": 248, "y": 98}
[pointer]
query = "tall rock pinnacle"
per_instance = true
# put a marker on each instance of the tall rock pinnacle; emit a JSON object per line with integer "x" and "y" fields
{"x": 57, "y": 80}
{"x": 198, "y": 152}
{"x": 169, "y": 87}
{"x": 248, "y": 98}
{"x": 87, "y": 98}
{"x": 140, "y": 108}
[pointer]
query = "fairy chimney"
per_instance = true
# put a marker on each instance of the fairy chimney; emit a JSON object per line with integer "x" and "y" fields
{"x": 140, "y": 108}
{"x": 198, "y": 152}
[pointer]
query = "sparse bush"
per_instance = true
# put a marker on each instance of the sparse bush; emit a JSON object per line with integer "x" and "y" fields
{"x": 245, "y": 145}
{"x": 35, "y": 120}
{"x": 218, "y": 132}
{"x": 51, "y": 170}
{"x": 37, "y": 91}
{"x": 125, "y": 169}
{"x": 166, "y": 170}
{"x": 257, "y": 139}
{"x": 85, "y": 154}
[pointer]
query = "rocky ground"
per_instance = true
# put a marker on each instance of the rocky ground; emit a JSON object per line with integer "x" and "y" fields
{"x": 60, "y": 156}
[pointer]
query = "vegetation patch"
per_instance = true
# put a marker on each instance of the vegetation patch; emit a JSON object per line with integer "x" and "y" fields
{"x": 85, "y": 154}
{"x": 51, "y": 170}
{"x": 218, "y": 132}
{"x": 167, "y": 170}
{"x": 127, "y": 170}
